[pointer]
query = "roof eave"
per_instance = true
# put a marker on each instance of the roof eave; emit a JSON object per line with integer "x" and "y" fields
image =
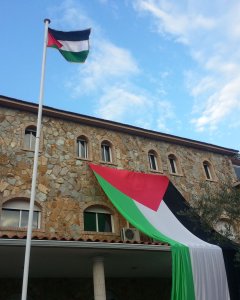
{"x": 93, "y": 121}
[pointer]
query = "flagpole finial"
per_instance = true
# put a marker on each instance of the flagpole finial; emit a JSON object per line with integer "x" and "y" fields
{"x": 47, "y": 21}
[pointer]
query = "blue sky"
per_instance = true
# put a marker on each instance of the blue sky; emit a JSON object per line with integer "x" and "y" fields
{"x": 170, "y": 66}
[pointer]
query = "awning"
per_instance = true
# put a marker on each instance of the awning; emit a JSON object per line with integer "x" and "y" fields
{"x": 74, "y": 259}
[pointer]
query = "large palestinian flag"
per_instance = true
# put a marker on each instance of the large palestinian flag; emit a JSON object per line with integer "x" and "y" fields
{"x": 198, "y": 269}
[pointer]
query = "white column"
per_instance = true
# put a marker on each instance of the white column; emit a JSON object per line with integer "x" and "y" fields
{"x": 99, "y": 279}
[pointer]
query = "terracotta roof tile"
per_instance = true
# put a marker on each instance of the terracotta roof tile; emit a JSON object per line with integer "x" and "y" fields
{"x": 22, "y": 235}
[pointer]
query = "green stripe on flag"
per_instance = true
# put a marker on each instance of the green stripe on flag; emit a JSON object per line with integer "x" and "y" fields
{"x": 182, "y": 276}
{"x": 79, "y": 57}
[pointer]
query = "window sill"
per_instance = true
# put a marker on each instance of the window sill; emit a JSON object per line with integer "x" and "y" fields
{"x": 83, "y": 159}
{"x": 211, "y": 180}
{"x": 20, "y": 229}
{"x": 156, "y": 171}
{"x": 176, "y": 174}
{"x": 107, "y": 163}
{"x": 99, "y": 232}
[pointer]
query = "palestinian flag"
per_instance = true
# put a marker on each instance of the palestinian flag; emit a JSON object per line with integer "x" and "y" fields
{"x": 73, "y": 45}
{"x": 198, "y": 269}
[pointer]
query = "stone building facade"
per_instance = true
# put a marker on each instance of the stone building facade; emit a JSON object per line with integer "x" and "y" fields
{"x": 66, "y": 186}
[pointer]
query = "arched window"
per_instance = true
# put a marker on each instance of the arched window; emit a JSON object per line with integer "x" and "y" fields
{"x": 97, "y": 218}
{"x": 82, "y": 147}
{"x": 15, "y": 214}
{"x": 152, "y": 158}
{"x": 30, "y": 137}
{"x": 208, "y": 170}
{"x": 173, "y": 164}
{"x": 106, "y": 151}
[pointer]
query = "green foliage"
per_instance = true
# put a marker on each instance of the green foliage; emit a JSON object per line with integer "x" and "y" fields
{"x": 219, "y": 209}
{"x": 220, "y": 206}
{"x": 237, "y": 156}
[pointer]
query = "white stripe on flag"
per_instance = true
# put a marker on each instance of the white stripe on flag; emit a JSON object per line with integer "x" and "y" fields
{"x": 166, "y": 222}
{"x": 74, "y": 46}
{"x": 209, "y": 274}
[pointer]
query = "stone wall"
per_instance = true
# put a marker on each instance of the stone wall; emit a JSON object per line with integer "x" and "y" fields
{"x": 66, "y": 185}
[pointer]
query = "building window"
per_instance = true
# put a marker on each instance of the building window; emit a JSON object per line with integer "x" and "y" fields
{"x": 97, "y": 219}
{"x": 173, "y": 164}
{"x": 237, "y": 171}
{"x": 30, "y": 137}
{"x": 82, "y": 147}
{"x": 152, "y": 157}
{"x": 106, "y": 151}
{"x": 207, "y": 170}
{"x": 15, "y": 214}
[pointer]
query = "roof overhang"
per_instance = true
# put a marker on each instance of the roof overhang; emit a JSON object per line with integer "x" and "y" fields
{"x": 74, "y": 259}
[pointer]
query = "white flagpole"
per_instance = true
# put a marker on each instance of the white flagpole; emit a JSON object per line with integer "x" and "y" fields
{"x": 35, "y": 167}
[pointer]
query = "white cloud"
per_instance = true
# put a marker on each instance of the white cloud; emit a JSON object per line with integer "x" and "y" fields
{"x": 69, "y": 13}
{"x": 108, "y": 77}
{"x": 165, "y": 112}
{"x": 220, "y": 105}
{"x": 131, "y": 105}
{"x": 106, "y": 63}
{"x": 120, "y": 104}
{"x": 170, "y": 19}
{"x": 203, "y": 85}
{"x": 208, "y": 29}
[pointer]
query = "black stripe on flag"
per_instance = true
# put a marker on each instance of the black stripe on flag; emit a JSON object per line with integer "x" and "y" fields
{"x": 177, "y": 204}
{"x": 81, "y": 35}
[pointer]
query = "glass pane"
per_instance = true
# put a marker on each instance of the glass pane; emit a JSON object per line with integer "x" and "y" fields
{"x": 83, "y": 149}
{"x": 103, "y": 153}
{"x": 207, "y": 172}
{"x": 27, "y": 140}
{"x": 35, "y": 219}
{"x": 237, "y": 171}
{"x": 107, "y": 153}
{"x": 33, "y": 140}
{"x": 172, "y": 163}
{"x": 104, "y": 223}
{"x": 152, "y": 161}
{"x": 90, "y": 221}
{"x": 24, "y": 218}
{"x": 10, "y": 217}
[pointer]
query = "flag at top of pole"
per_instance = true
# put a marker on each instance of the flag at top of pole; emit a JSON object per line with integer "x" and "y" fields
{"x": 73, "y": 45}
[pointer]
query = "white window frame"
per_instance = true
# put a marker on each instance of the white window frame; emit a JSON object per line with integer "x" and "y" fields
{"x": 152, "y": 158}
{"x": 30, "y": 131}
{"x": 100, "y": 210}
{"x": 105, "y": 145}
{"x": 21, "y": 206}
{"x": 82, "y": 144}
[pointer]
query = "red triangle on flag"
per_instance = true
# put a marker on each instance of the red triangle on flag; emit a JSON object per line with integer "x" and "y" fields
{"x": 147, "y": 189}
{"x": 52, "y": 42}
